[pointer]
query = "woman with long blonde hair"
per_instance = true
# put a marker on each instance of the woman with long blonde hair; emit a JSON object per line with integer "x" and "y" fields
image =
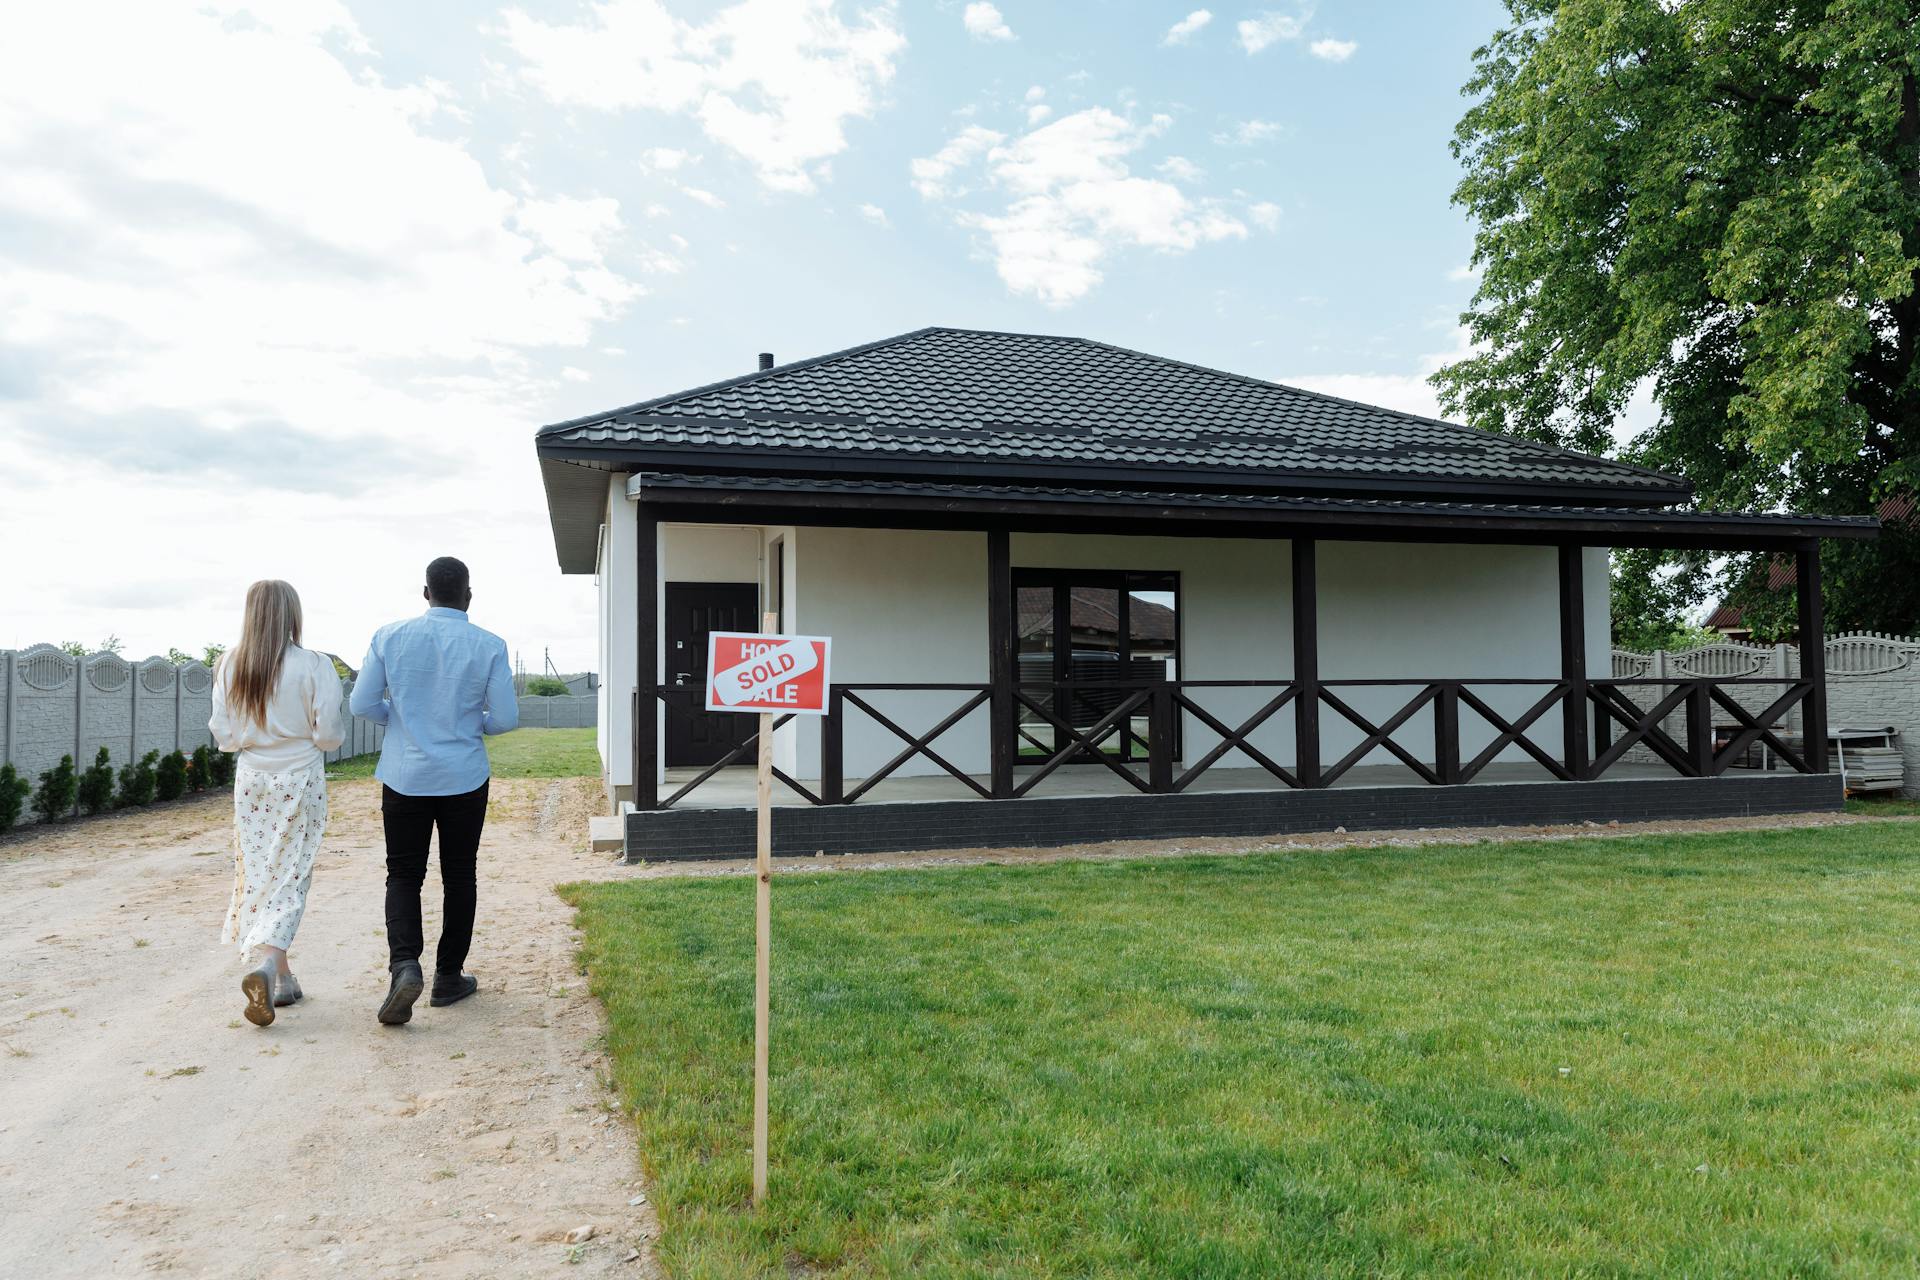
{"x": 278, "y": 706}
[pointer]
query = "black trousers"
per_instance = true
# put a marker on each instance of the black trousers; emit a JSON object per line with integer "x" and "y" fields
{"x": 410, "y": 823}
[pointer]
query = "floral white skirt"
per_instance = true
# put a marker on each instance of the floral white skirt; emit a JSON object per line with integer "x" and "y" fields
{"x": 278, "y": 820}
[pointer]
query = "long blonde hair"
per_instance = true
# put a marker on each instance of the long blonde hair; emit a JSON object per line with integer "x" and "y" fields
{"x": 271, "y": 623}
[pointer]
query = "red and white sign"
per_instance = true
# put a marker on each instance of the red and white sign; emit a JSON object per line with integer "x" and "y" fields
{"x": 785, "y": 674}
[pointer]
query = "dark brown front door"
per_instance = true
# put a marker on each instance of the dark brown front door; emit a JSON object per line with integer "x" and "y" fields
{"x": 694, "y": 609}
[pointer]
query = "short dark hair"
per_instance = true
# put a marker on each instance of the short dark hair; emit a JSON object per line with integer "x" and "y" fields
{"x": 447, "y": 579}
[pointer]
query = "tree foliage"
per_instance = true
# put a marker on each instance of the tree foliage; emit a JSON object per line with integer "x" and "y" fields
{"x": 1719, "y": 199}
{"x": 546, "y": 687}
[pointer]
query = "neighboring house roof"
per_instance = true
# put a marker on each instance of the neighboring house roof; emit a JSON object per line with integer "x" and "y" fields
{"x": 1729, "y": 617}
{"x": 1095, "y": 611}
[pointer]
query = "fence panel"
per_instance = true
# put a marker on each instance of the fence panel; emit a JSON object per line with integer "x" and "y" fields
{"x": 1873, "y": 681}
{"x": 54, "y": 705}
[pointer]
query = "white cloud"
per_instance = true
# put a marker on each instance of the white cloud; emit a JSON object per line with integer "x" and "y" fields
{"x": 706, "y": 198}
{"x": 930, "y": 173}
{"x": 1333, "y": 50}
{"x": 572, "y": 374}
{"x": 1180, "y": 169}
{"x": 1465, "y": 271}
{"x": 1265, "y": 215}
{"x": 875, "y": 214}
{"x": 1249, "y": 133}
{"x": 573, "y": 230}
{"x": 665, "y": 159}
{"x": 1185, "y": 29}
{"x": 1409, "y": 393}
{"x": 1037, "y": 110}
{"x": 1071, "y": 200}
{"x": 1261, "y": 30}
{"x": 774, "y": 81}
{"x": 983, "y": 21}
{"x": 227, "y": 233}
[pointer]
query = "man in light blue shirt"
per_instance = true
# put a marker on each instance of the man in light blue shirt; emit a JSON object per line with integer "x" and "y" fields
{"x": 439, "y": 684}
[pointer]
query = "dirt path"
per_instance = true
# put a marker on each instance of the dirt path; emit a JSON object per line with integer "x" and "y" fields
{"x": 145, "y": 1129}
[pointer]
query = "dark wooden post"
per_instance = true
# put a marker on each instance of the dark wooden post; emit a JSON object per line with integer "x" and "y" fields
{"x": 1306, "y": 663}
{"x": 1700, "y": 728}
{"x": 1573, "y": 658}
{"x": 1813, "y": 653}
{"x": 1160, "y": 738}
{"x": 1000, "y": 662}
{"x": 832, "y": 744}
{"x": 1446, "y": 732}
{"x": 646, "y": 647}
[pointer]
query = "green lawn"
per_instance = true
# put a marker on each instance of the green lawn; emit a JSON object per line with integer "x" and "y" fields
{"x": 1680, "y": 1056}
{"x": 1883, "y": 806}
{"x": 524, "y": 753}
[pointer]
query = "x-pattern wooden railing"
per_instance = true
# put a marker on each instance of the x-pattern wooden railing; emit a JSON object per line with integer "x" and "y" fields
{"x": 1621, "y": 722}
{"x": 1079, "y": 742}
{"x": 916, "y": 746}
{"x": 1234, "y": 739}
{"x": 748, "y": 747}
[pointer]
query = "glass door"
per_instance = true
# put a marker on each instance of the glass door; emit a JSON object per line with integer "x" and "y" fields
{"x": 1085, "y": 641}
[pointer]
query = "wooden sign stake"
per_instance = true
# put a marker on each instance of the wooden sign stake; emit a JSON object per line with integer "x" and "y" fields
{"x": 763, "y": 929}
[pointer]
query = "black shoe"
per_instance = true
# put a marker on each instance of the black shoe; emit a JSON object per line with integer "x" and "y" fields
{"x": 448, "y": 988}
{"x": 407, "y": 983}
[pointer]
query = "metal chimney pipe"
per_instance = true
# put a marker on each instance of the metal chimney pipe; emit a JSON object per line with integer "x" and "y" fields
{"x": 766, "y": 361}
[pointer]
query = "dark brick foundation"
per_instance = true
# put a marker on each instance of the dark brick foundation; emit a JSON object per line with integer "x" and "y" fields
{"x": 683, "y": 834}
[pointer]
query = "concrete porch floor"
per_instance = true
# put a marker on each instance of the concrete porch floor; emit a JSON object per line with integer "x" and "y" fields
{"x": 733, "y": 787}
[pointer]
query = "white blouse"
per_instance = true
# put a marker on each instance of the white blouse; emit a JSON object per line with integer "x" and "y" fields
{"x": 303, "y": 716}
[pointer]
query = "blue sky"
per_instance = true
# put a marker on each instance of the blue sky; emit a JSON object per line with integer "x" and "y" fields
{"x": 285, "y": 289}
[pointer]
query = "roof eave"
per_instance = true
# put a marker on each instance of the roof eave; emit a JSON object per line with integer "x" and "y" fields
{"x": 625, "y": 457}
{"x": 1386, "y": 521}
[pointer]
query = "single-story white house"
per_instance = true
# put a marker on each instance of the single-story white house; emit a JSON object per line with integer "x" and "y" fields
{"x": 1078, "y": 592}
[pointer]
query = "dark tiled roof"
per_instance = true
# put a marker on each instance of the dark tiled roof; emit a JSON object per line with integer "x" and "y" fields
{"x": 1398, "y": 512}
{"x": 1021, "y": 406}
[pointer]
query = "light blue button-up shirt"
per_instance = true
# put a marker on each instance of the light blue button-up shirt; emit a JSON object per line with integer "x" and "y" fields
{"x": 438, "y": 683}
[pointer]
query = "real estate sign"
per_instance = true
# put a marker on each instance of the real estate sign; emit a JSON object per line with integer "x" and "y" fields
{"x": 785, "y": 675}
{"x": 773, "y": 675}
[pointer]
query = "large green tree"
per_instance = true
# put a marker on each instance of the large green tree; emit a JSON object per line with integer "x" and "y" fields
{"x": 1719, "y": 199}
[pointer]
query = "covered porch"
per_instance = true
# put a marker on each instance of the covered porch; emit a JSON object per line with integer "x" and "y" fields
{"x": 1289, "y": 703}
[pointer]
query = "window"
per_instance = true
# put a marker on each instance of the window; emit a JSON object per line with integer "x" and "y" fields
{"x": 1086, "y": 639}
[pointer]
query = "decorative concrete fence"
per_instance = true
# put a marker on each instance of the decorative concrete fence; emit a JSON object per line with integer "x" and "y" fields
{"x": 559, "y": 712}
{"x": 1873, "y": 682}
{"x": 53, "y": 705}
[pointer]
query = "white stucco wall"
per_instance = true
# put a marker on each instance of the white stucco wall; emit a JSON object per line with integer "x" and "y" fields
{"x": 910, "y": 606}
{"x": 1423, "y": 611}
{"x": 617, "y": 605}
{"x": 907, "y": 606}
